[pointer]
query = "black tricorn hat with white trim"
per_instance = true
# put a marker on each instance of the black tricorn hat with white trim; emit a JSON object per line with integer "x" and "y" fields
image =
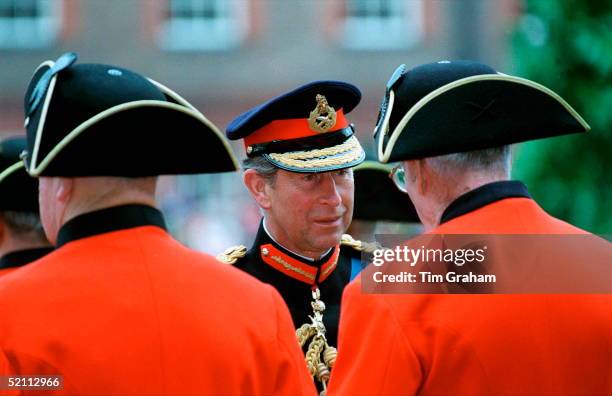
{"x": 18, "y": 190}
{"x": 101, "y": 120}
{"x": 458, "y": 106}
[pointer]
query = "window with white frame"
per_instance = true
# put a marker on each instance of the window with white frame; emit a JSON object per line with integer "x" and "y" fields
{"x": 29, "y": 23}
{"x": 382, "y": 24}
{"x": 204, "y": 24}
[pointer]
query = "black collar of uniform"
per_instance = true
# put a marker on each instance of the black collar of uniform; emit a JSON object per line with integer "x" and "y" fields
{"x": 482, "y": 196}
{"x": 23, "y": 257}
{"x": 110, "y": 219}
{"x": 263, "y": 238}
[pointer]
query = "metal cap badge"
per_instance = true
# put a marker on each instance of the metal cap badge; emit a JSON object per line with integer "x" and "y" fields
{"x": 323, "y": 117}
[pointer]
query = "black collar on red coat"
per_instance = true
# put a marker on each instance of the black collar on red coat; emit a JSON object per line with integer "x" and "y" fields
{"x": 23, "y": 257}
{"x": 291, "y": 264}
{"x": 484, "y": 195}
{"x": 110, "y": 219}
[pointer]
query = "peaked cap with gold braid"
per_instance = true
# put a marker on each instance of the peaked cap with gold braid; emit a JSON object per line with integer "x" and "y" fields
{"x": 304, "y": 130}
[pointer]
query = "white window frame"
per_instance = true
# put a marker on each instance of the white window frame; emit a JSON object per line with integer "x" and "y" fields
{"x": 403, "y": 29}
{"x": 205, "y": 34}
{"x": 31, "y": 32}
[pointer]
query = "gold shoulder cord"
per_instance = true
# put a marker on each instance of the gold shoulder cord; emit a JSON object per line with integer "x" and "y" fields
{"x": 361, "y": 246}
{"x": 232, "y": 254}
{"x": 320, "y": 357}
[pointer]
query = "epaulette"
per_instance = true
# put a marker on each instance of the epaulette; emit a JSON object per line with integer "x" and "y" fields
{"x": 361, "y": 246}
{"x": 232, "y": 254}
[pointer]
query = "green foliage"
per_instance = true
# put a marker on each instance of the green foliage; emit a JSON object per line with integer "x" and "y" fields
{"x": 566, "y": 45}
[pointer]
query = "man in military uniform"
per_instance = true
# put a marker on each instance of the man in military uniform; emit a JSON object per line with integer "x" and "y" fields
{"x": 450, "y": 124}
{"x": 22, "y": 238}
{"x": 120, "y": 307}
{"x": 300, "y": 149}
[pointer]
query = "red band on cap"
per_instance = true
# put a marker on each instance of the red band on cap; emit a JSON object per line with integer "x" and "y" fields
{"x": 293, "y": 128}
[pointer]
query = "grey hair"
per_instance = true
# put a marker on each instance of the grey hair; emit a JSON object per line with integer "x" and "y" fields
{"x": 24, "y": 224}
{"x": 494, "y": 160}
{"x": 261, "y": 166}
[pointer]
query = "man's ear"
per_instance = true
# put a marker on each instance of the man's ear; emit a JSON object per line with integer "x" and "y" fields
{"x": 415, "y": 171}
{"x": 422, "y": 176}
{"x": 258, "y": 187}
{"x": 64, "y": 190}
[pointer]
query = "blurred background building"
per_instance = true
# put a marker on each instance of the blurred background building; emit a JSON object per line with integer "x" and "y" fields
{"x": 226, "y": 56}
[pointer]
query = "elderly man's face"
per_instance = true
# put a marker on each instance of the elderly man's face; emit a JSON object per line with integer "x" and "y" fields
{"x": 309, "y": 212}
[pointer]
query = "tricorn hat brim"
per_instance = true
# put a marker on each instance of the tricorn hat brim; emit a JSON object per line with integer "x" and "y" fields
{"x": 145, "y": 130}
{"x": 377, "y": 198}
{"x": 18, "y": 190}
{"x": 473, "y": 113}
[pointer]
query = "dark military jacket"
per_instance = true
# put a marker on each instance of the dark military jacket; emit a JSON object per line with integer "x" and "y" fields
{"x": 295, "y": 277}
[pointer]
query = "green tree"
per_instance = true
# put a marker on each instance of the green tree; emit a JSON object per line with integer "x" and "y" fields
{"x": 567, "y": 46}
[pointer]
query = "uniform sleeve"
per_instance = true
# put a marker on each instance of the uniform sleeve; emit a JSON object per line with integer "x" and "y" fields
{"x": 374, "y": 358}
{"x": 292, "y": 376}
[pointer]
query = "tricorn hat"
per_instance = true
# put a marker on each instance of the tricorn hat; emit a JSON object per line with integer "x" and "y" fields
{"x": 458, "y": 106}
{"x": 18, "y": 190}
{"x": 377, "y": 198}
{"x": 101, "y": 120}
{"x": 304, "y": 130}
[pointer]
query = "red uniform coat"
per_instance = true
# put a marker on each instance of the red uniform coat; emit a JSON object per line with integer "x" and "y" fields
{"x": 121, "y": 308}
{"x": 477, "y": 344}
